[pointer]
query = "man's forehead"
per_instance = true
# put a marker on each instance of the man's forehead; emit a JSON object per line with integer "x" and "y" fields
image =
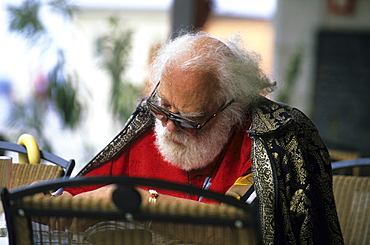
{"x": 187, "y": 96}
{"x": 187, "y": 81}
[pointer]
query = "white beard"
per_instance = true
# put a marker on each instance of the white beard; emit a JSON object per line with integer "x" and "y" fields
{"x": 196, "y": 151}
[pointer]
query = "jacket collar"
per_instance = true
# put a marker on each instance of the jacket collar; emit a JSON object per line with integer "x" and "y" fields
{"x": 268, "y": 116}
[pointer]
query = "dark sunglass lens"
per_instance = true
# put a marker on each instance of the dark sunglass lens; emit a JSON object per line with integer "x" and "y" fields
{"x": 159, "y": 114}
{"x": 180, "y": 123}
{"x": 185, "y": 127}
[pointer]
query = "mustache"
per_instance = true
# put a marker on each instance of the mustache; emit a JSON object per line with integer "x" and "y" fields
{"x": 178, "y": 136}
{"x": 192, "y": 152}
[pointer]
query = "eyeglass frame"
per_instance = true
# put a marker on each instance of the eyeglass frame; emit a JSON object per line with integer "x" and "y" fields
{"x": 175, "y": 117}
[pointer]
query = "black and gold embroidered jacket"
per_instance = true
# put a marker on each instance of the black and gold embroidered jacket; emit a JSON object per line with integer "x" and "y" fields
{"x": 291, "y": 171}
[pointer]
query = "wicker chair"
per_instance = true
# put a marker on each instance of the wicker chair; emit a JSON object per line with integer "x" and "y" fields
{"x": 352, "y": 196}
{"x": 125, "y": 219}
{"x": 25, "y": 173}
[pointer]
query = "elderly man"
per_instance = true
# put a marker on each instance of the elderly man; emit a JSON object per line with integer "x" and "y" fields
{"x": 207, "y": 124}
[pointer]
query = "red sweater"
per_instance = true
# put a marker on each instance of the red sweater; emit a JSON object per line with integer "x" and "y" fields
{"x": 141, "y": 159}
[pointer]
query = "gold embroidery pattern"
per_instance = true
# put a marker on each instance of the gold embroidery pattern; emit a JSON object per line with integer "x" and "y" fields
{"x": 306, "y": 208}
{"x": 263, "y": 178}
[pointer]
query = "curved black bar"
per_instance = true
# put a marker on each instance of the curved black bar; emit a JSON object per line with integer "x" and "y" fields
{"x": 124, "y": 180}
{"x": 13, "y": 147}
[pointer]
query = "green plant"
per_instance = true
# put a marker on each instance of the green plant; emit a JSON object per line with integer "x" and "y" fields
{"x": 113, "y": 49}
{"x": 291, "y": 76}
{"x": 25, "y": 18}
{"x": 61, "y": 86}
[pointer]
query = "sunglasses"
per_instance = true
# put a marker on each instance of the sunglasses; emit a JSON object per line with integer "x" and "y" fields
{"x": 184, "y": 124}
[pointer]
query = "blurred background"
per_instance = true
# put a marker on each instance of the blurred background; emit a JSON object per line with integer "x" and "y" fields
{"x": 71, "y": 72}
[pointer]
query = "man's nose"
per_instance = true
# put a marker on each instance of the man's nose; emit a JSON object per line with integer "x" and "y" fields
{"x": 170, "y": 125}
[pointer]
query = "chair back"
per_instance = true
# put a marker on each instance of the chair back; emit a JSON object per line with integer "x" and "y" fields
{"x": 352, "y": 197}
{"x": 66, "y": 166}
{"x": 126, "y": 219}
{"x": 25, "y": 173}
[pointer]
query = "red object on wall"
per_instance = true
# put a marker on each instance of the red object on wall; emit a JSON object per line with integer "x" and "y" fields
{"x": 341, "y": 7}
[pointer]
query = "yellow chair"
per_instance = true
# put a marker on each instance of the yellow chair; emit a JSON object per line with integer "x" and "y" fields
{"x": 29, "y": 169}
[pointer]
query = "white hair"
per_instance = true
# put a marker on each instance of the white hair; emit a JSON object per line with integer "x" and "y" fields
{"x": 238, "y": 71}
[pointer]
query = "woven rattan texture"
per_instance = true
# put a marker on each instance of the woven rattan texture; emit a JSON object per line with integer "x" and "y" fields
{"x": 102, "y": 231}
{"x": 352, "y": 197}
{"x": 26, "y": 173}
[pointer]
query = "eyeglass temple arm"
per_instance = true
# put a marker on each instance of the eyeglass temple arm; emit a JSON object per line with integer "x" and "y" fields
{"x": 216, "y": 113}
